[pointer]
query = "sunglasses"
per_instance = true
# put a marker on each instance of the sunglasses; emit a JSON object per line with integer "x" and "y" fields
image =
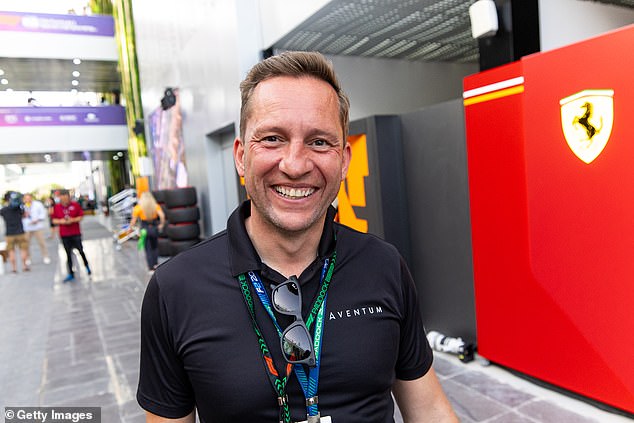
{"x": 296, "y": 342}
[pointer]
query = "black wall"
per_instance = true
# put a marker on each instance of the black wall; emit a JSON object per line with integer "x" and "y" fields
{"x": 417, "y": 198}
{"x": 386, "y": 196}
{"x": 435, "y": 165}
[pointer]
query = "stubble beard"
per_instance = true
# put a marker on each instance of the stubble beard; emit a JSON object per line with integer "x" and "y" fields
{"x": 289, "y": 227}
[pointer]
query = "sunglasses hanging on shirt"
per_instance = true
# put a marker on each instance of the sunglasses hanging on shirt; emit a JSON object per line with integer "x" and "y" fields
{"x": 296, "y": 342}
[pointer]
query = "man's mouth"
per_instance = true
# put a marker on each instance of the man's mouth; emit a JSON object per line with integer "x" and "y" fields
{"x": 294, "y": 192}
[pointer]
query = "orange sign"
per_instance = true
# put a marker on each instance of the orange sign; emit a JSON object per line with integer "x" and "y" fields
{"x": 352, "y": 192}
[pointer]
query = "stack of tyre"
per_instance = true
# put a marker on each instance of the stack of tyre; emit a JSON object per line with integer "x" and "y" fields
{"x": 164, "y": 244}
{"x": 182, "y": 214}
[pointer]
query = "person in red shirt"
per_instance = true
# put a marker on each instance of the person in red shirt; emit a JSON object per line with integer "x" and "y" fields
{"x": 67, "y": 214}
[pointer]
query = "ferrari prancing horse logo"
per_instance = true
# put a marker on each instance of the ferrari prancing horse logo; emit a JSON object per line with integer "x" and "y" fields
{"x": 587, "y": 118}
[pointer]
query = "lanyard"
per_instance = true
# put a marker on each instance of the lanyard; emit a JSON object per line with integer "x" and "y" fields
{"x": 309, "y": 384}
{"x": 278, "y": 384}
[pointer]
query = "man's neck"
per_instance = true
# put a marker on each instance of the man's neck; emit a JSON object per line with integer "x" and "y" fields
{"x": 287, "y": 253}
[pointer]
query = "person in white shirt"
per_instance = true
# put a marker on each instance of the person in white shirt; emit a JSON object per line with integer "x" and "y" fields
{"x": 34, "y": 222}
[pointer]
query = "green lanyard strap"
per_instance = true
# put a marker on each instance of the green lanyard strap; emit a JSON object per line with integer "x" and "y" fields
{"x": 322, "y": 291}
{"x": 278, "y": 384}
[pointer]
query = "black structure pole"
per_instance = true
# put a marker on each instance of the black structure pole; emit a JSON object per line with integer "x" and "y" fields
{"x": 517, "y": 36}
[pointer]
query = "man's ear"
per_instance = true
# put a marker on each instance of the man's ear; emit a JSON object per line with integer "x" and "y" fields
{"x": 238, "y": 156}
{"x": 347, "y": 156}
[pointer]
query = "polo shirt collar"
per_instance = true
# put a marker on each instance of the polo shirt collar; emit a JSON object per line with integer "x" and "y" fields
{"x": 242, "y": 255}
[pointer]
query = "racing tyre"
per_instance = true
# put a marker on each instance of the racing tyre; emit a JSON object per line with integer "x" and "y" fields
{"x": 182, "y": 215}
{"x": 159, "y": 196}
{"x": 182, "y": 232}
{"x": 165, "y": 247}
{"x": 180, "y": 197}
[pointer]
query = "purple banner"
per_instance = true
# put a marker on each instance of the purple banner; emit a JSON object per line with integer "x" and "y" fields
{"x": 56, "y": 116}
{"x": 58, "y": 24}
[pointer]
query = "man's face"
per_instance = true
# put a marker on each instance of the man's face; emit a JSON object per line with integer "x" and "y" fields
{"x": 64, "y": 199}
{"x": 293, "y": 157}
{"x": 27, "y": 198}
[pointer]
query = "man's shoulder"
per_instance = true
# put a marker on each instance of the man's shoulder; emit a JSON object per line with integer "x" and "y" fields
{"x": 76, "y": 207}
{"x": 183, "y": 274}
{"x": 37, "y": 207}
{"x": 210, "y": 252}
{"x": 353, "y": 239}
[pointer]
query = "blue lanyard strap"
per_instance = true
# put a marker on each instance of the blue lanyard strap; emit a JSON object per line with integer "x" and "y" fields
{"x": 308, "y": 383}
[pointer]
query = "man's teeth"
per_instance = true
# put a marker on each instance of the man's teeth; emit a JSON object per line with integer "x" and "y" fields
{"x": 295, "y": 192}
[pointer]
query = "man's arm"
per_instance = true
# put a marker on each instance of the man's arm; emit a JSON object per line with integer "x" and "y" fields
{"x": 423, "y": 400}
{"x": 161, "y": 216}
{"x": 68, "y": 221}
{"x": 40, "y": 212}
{"x": 153, "y": 418}
{"x": 80, "y": 213}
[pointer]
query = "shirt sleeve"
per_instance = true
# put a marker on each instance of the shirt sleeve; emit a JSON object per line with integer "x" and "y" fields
{"x": 164, "y": 388}
{"x": 415, "y": 354}
{"x": 38, "y": 212}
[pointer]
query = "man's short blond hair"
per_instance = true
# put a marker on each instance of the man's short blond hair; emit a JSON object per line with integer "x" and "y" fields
{"x": 296, "y": 64}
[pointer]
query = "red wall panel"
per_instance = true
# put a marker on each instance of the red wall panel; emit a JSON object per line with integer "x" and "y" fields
{"x": 553, "y": 236}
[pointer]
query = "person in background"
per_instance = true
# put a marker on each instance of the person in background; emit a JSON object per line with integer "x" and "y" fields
{"x": 152, "y": 219}
{"x": 34, "y": 222}
{"x": 67, "y": 214}
{"x": 50, "y": 203}
{"x": 12, "y": 213}
{"x": 306, "y": 319}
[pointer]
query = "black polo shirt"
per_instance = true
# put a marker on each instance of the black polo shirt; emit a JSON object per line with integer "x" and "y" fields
{"x": 198, "y": 347}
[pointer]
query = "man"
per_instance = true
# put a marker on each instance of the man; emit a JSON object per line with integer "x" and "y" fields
{"x": 66, "y": 215}
{"x": 213, "y": 316}
{"x": 34, "y": 222}
{"x": 12, "y": 213}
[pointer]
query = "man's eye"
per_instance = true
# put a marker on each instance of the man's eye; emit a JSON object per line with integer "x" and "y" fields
{"x": 271, "y": 138}
{"x": 319, "y": 143}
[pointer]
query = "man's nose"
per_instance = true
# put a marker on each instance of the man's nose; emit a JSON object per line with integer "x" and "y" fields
{"x": 296, "y": 160}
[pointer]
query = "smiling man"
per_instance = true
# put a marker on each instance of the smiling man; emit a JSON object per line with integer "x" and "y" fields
{"x": 237, "y": 327}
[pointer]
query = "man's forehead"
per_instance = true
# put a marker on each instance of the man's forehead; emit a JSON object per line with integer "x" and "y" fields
{"x": 287, "y": 80}
{"x": 283, "y": 92}
{"x": 270, "y": 99}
